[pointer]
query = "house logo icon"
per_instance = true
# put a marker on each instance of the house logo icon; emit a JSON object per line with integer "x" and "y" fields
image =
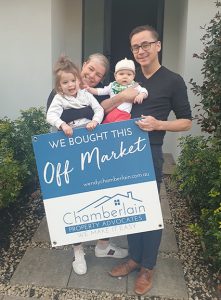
{"x": 115, "y": 200}
{"x": 109, "y": 210}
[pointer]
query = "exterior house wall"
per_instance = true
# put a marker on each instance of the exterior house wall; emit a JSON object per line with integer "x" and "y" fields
{"x": 73, "y": 34}
{"x": 66, "y": 29}
{"x": 33, "y": 35}
{"x": 25, "y": 54}
{"x": 183, "y": 19}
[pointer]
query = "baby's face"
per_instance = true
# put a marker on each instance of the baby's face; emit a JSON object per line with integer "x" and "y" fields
{"x": 124, "y": 77}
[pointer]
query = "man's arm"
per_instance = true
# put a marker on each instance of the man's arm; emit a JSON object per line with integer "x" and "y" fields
{"x": 149, "y": 123}
{"x": 127, "y": 95}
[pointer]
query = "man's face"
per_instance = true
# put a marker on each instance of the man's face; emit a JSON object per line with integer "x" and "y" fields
{"x": 147, "y": 55}
{"x": 92, "y": 72}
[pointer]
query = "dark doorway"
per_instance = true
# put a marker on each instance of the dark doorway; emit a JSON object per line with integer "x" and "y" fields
{"x": 121, "y": 16}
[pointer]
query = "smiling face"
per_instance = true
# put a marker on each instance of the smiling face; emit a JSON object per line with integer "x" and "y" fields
{"x": 69, "y": 84}
{"x": 92, "y": 72}
{"x": 124, "y": 77}
{"x": 146, "y": 58}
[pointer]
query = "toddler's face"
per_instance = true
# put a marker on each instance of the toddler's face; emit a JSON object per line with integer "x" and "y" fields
{"x": 124, "y": 77}
{"x": 69, "y": 84}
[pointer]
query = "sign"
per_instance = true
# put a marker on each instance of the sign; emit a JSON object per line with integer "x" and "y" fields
{"x": 98, "y": 183}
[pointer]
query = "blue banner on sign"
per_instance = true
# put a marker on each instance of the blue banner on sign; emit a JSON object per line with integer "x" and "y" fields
{"x": 112, "y": 155}
{"x": 106, "y": 223}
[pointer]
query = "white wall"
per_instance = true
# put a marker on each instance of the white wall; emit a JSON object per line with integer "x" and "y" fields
{"x": 200, "y": 12}
{"x": 58, "y": 26}
{"x": 25, "y": 54}
{"x": 33, "y": 35}
{"x": 174, "y": 38}
{"x": 73, "y": 37}
{"x": 66, "y": 30}
{"x": 182, "y": 33}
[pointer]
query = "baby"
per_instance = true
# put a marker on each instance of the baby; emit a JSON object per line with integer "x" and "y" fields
{"x": 124, "y": 78}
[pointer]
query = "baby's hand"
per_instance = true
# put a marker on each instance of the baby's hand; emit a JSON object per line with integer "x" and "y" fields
{"x": 91, "y": 90}
{"x": 91, "y": 125}
{"x": 68, "y": 131}
{"x": 86, "y": 87}
{"x": 139, "y": 98}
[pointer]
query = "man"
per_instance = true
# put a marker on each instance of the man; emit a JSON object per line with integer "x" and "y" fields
{"x": 167, "y": 92}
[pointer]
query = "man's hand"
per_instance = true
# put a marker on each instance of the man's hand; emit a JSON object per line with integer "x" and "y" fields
{"x": 126, "y": 95}
{"x": 148, "y": 123}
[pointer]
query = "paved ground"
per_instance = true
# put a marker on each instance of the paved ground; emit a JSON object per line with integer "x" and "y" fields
{"x": 51, "y": 268}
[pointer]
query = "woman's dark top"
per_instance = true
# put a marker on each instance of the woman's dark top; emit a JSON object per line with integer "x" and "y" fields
{"x": 72, "y": 114}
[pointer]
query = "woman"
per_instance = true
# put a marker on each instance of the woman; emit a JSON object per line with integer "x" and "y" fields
{"x": 92, "y": 73}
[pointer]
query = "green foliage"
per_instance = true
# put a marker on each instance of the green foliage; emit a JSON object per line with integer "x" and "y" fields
{"x": 198, "y": 173}
{"x": 210, "y": 221}
{"x": 10, "y": 181}
{"x": 210, "y": 90}
{"x": 17, "y": 162}
{"x": 31, "y": 122}
{"x": 199, "y": 166}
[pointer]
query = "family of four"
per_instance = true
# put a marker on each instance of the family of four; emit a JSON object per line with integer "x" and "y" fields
{"x": 80, "y": 99}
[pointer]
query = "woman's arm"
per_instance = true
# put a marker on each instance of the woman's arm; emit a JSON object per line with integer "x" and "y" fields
{"x": 72, "y": 114}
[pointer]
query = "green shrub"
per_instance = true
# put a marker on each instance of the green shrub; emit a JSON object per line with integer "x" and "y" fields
{"x": 31, "y": 122}
{"x": 18, "y": 169}
{"x": 209, "y": 110}
{"x": 10, "y": 169}
{"x": 198, "y": 173}
{"x": 210, "y": 221}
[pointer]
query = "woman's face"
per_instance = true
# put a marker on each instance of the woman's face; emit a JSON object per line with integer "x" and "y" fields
{"x": 92, "y": 72}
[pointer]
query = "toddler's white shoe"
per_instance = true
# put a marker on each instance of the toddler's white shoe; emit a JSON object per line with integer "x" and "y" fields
{"x": 111, "y": 251}
{"x": 79, "y": 263}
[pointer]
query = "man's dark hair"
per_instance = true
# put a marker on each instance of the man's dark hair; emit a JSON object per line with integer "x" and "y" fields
{"x": 144, "y": 28}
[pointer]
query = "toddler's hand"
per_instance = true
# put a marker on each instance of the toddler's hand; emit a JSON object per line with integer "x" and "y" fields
{"x": 91, "y": 125}
{"x": 68, "y": 131}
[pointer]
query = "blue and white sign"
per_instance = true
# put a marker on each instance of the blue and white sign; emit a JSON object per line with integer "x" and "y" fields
{"x": 98, "y": 183}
